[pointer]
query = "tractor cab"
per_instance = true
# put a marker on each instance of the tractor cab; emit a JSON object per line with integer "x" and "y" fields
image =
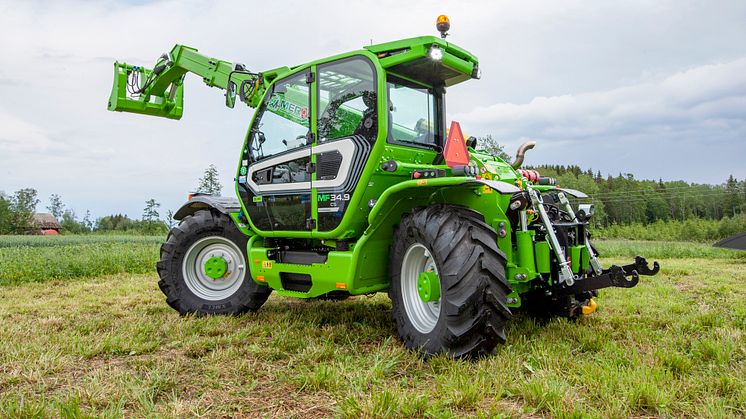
{"x": 321, "y": 128}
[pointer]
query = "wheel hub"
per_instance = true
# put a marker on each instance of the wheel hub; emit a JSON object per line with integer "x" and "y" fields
{"x": 428, "y": 286}
{"x": 216, "y": 267}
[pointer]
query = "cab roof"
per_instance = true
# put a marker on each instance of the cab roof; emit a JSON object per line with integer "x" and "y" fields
{"x": 411, "y": 58}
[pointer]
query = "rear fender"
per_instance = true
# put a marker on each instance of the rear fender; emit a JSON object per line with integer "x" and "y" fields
{"x": 404, "y": 196}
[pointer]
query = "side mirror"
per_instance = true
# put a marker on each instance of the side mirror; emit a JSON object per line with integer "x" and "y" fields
{"x": 472, "y": 142}
{"x": 260, "y": 137}
{"x": 230, "y": 95}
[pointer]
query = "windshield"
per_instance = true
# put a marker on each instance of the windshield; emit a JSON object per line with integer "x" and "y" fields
{"x": 283, "y": 120}
{"x": 413, "y": 113}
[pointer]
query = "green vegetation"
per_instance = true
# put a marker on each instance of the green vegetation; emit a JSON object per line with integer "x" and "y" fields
{"x": 673, "y": 346}
{"x": 625, "y": 249}
{"x": 698, "y": 230}
{"x": 626, "y": 200}
{"x": 44, "y": 258}
{"x": 210, "y": 182}
{"x": 16, "y": 213}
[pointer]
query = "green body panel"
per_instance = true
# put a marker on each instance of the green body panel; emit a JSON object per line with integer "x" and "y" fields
{"x": 358, "y": 247}
{"x": 585, "y": 259}
{"x": 542, "y": 257}
{"x": 241, "y": 223}
{"x": 525, "y": 239}
{"x": 575, "y": 258}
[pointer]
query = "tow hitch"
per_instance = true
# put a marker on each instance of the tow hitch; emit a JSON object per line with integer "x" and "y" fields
{"x": 626, "y": 276}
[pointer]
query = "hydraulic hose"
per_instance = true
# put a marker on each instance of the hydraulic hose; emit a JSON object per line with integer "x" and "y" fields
{"x": 522, "y": 153}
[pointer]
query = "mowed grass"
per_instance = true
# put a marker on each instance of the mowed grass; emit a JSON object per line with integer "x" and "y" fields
{"x": 110, "y": 346}
{"x": 44, "y": 258}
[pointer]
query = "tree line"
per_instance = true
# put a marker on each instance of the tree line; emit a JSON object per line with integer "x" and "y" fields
{"x": 17, "y": 210}
{"x": 623, "y": 199}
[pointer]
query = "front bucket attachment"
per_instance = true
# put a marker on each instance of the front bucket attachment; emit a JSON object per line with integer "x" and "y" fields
{"x": 169, "y": 105}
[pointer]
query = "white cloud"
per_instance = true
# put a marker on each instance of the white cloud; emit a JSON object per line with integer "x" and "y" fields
{"x": 700, "y": 96}
{"x": 690, "y": 125}
{"x": 21, "y": 137}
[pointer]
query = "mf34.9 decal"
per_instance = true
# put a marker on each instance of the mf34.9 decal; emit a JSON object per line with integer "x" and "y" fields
{"x": 332, "y": 202}
{"x": 332, "y": 199}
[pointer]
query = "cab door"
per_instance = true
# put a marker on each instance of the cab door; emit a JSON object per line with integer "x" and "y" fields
{"x": 276, "y": 187}
{"x": 347, "y": 127}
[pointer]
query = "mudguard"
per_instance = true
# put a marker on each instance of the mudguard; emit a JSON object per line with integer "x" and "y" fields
{"x": 226, "y": 205}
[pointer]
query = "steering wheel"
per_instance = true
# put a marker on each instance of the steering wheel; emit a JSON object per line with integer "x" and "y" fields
{"x": 329, "y": 115}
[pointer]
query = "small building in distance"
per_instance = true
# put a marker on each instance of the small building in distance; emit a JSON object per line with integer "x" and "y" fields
{"x": 45, "y": 224}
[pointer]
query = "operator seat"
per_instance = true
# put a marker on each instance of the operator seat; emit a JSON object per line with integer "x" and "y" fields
{"x": 368, "y": 127}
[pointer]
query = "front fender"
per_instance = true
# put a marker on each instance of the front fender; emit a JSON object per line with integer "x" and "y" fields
{"x": 225, "y": 205}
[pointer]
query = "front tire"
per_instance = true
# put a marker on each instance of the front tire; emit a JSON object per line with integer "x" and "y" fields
{"x": 453, "y": 246}
{"x": 204, "y": 268}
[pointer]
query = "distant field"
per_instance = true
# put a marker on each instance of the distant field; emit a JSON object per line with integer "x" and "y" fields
{"x": 108, "y": 345}
{"x": 45, "y": 258}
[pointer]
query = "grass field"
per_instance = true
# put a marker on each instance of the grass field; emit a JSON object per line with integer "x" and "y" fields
{"x": 40, "y": 258}
{"x": 102, "y": 344}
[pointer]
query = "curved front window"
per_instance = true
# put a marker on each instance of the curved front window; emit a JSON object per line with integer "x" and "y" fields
{"x": 284, "y": 119}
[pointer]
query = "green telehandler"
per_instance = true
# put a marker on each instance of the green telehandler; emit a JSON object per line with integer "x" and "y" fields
{"x": 350, "y": 182}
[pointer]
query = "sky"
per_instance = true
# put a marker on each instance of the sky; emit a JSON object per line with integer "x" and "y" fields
{"x": 653, "y": 88}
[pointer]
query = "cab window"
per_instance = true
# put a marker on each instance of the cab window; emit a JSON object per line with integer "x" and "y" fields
{"x": 347, "y": 100}
{"x": 413, "y": 113}
{"x": 284, "y": 119}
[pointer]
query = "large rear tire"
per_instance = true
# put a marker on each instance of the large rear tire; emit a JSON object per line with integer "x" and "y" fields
{"x": 454, "y": 246}
{"x": 204, "y": 269}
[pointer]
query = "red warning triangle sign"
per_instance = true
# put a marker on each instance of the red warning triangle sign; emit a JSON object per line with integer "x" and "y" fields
{"x": 455, "y": 151}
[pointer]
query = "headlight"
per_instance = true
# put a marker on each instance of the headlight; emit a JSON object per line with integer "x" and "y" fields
{"x": 585, "y": 212}
{"x": 436, "y": 53}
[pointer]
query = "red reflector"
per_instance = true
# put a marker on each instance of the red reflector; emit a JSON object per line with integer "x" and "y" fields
{"x": 190, "y": 196}
{"x": 455, "y": 151}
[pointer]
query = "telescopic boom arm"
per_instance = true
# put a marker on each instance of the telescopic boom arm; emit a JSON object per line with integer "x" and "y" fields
{"x": 160, "y": 91}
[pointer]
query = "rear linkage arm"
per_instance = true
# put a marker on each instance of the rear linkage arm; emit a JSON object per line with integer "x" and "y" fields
{"x": 626, "y": 276}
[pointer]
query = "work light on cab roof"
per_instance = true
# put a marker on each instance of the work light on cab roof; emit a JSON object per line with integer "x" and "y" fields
{"x": 350, "y": 182}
